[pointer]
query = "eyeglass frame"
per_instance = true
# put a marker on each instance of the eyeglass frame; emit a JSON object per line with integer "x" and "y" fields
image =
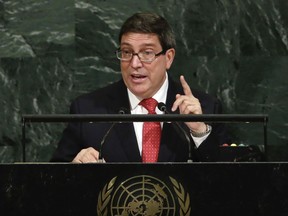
{"x": 137, "y": 54}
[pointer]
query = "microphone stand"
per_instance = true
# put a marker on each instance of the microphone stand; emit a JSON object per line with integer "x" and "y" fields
{"x": 163, "y": 108}
{"x": 101, "y": 160}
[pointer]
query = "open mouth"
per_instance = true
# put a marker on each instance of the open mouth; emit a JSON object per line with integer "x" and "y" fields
{"x": 138, "y": 76}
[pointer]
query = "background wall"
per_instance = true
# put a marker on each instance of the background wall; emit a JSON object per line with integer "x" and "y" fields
{"x": 52, "y": 51}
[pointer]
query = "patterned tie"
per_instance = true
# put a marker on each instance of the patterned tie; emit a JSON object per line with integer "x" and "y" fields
{"x": 151, "y": 134}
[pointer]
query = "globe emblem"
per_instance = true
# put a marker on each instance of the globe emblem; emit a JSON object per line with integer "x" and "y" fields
{"x": 143, "y": 196}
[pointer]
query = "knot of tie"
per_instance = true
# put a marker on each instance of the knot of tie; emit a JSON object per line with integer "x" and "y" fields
{"x": 150, "y": 104}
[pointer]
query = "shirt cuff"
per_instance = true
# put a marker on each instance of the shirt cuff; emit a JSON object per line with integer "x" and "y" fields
{"x": 199, "y": 140}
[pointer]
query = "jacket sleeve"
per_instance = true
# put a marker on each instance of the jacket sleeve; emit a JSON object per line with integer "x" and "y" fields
{"x": 209, "y": 149}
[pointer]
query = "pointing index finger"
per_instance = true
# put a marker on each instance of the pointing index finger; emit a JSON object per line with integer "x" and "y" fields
{"x": 186, "y": 87}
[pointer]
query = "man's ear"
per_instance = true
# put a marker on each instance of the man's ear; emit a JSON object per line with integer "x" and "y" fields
{"x": 170, "y": 54}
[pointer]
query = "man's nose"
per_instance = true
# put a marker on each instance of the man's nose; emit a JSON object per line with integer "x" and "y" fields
{"x": 135, "y": 61}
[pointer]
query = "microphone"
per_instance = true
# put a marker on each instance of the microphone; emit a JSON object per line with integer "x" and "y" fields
{"x": 161, "y": 106}
{"x": 121, "y": 111}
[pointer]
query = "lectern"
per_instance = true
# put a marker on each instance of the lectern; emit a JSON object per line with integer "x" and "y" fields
{"x": 196, "y": 189}
{"x": 136, "y": 189}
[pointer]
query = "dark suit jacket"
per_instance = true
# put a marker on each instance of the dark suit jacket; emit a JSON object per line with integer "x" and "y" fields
{"x": 121, "y": 144}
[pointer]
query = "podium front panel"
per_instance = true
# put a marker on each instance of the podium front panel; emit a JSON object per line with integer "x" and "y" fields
{"x": 144, "y": 189}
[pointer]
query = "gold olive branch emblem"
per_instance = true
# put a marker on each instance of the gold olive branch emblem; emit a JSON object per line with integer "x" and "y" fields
{"x": 183, "y": 198}
{"x": 104, "y": 198}
{"x": 184, "y": 201}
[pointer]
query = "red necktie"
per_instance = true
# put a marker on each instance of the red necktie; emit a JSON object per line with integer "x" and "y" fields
{"x": 151, "y": 133}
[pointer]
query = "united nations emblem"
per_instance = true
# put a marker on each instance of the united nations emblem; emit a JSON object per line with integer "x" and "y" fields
{"x": 143, "y": 195}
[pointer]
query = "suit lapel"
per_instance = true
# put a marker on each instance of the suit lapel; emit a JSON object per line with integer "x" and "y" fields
{"x": 167, "y": 132}
{"x": 125, "y": 131}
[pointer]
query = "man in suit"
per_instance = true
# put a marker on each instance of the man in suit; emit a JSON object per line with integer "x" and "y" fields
{"x": 146, "y": 52}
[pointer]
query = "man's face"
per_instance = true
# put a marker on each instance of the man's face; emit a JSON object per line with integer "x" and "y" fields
{"x": 141, "y": 78}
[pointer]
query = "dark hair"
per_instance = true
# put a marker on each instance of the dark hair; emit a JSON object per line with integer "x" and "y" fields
{"x": 150, "y": 23}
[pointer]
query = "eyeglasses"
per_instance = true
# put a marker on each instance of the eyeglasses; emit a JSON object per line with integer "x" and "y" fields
{"x": 144, "y": 56}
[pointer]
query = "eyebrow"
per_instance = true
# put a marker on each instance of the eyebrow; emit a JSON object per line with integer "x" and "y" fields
{"x": 145, "y": 44}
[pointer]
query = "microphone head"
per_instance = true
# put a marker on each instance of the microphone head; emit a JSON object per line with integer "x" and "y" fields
{"x": 123, "y": 110}
{"x": 161, "y": 106}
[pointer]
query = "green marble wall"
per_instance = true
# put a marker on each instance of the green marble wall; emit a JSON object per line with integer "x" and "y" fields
{"x": 52, "y": 51}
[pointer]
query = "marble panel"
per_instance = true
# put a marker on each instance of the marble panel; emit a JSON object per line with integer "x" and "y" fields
{"x": 53, "y": 51}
